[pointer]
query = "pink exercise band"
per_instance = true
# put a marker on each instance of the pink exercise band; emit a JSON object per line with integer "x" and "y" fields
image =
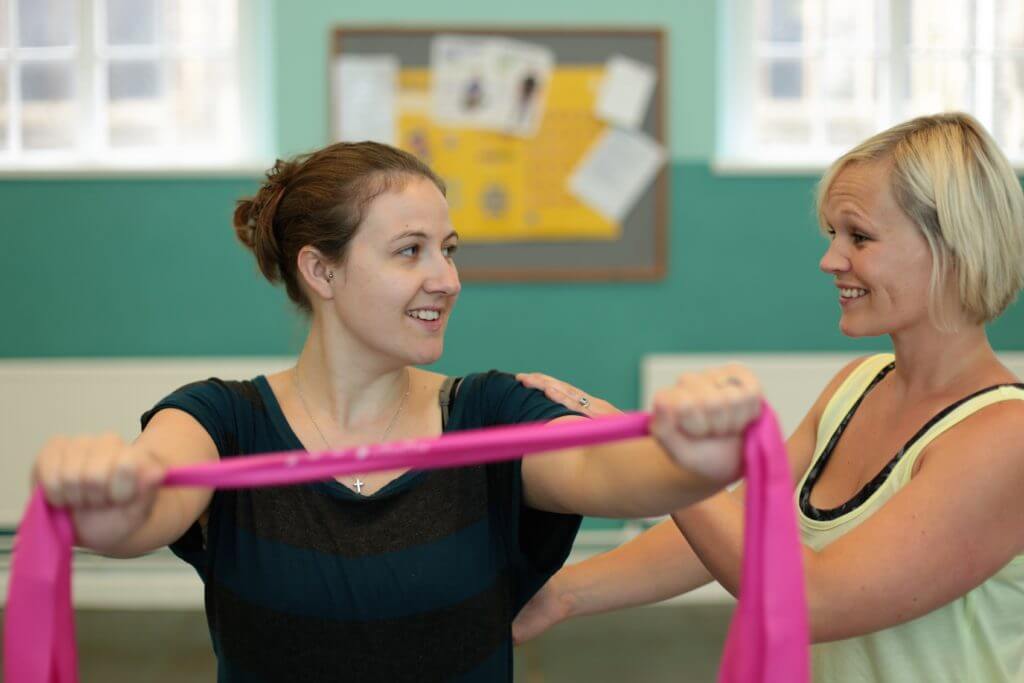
{"x": 767, "y": 641}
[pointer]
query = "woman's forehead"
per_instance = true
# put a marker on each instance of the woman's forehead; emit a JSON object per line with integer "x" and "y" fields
{"x": 861, "y": 187}
{"x": 417, "y": 204}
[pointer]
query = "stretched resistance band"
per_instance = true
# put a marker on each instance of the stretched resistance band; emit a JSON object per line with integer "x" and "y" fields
{"x": 39, "y": 631}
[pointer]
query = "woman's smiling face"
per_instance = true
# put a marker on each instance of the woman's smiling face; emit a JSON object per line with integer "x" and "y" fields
{"x": 398, "y": 282}
{"x": 878, "y": 256}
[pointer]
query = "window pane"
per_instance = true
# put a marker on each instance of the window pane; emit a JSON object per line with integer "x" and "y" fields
{"x": 204, "y": 103}
{"x": 131, "y": 22}
{"x": 782, "y": 79}
{"x": 938, "y": 85}
{"x": 847, "y": 131}
{"x": 1008, "y": 113}
{"x": 46, "y": 23}
{"x": 1010, "y": 24}
{"x": 5, "y": 110}
{"x": 201, "y": 24}
{"x": 48, "y": 105}
{"x": 778, "y": 130}
{"x": 5, "y": 28}
{"x": 849, "y": 26}
{"x": 848, "y": 80}
{"x": 135, "y": 108}
{"x": 941, "y": 24}
{"x": 782, "y": 21}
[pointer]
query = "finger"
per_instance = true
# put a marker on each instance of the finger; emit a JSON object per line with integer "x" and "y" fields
{"x": 71, "y": 470}
{"x": 680, "y": 411}
{"x": 534, "y": 380}
{"x": 47, "y": 470}
{"x": 744, "y": 390}
{"x": 96, "y": 469}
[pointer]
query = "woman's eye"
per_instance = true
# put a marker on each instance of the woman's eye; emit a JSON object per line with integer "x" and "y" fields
{"x": 411, "y": 250}
{"x": 858, "y": 238}
{"x": 450, "y": 250}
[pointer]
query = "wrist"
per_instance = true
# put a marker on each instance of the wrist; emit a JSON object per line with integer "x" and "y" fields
{"x": 564, "y": 593}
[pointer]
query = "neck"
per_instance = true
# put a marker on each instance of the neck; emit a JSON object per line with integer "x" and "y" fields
{"x": 345, "y": 383}
{"x": 929, "y": 361}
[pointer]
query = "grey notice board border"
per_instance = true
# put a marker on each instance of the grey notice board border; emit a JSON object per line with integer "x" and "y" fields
{"x": 641, "y": 252}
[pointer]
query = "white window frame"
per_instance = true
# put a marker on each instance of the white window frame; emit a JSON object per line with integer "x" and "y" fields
{"x": 254, "y": 152}
{"x": 736, "y": 31}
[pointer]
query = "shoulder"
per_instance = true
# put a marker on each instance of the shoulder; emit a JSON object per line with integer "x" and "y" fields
{"x": 219, "y": 391}
{"x": 851, "y": 376}
{"x": 502, "y": 399}
{"x": 213, "y": 402}
{"x": 991, "y": 437}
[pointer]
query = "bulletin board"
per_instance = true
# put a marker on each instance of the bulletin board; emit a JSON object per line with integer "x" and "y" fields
{"x": 508, "y": 194}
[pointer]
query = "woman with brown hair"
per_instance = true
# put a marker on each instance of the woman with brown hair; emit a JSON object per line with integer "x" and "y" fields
{"x": 412, "y": 575}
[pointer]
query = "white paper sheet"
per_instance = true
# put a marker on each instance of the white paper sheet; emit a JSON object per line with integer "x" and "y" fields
{"x": 365, "y": 87}
{"x": 615, "y": 171}
{"x": 523, "y": 71}
{"x": 489, "y": 83}
{"x": 625, "y": 92}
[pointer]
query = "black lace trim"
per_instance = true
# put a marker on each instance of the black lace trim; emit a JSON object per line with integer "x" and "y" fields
{"x": 827, "y": 514}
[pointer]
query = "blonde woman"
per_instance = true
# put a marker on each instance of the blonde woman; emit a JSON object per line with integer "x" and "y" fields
{"x": 909, "y": 467}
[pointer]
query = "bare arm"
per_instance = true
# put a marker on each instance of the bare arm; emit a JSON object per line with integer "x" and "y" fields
{"x": 908, "y": 558}
{"x": 656, "y": 565}
{"x": 697, "y": 427}
{"x": 659, "y": 563}
{"x": 113, "y": 489}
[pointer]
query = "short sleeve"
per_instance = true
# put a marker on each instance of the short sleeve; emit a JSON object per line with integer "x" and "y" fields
{"x": 538, "y": 542}
{"x": 211, "y": 403}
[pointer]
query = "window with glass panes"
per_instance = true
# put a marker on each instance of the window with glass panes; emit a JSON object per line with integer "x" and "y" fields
{"x": 96, "y": 80}
{"x": 811, "y": 78}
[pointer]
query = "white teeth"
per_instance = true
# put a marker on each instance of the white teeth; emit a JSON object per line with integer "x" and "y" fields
{"x": 425, "y": 314}
{"x": 852, "y": 293}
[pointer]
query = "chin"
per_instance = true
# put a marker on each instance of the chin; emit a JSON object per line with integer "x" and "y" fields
{"x": 427, "y": 356}
{"x": 850, "y": 329}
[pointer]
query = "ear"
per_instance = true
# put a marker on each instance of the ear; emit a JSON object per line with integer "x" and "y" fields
{"x": 317, "y": 272}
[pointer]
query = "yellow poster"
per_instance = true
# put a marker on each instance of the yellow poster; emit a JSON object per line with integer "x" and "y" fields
{"x": 508, "y": 189}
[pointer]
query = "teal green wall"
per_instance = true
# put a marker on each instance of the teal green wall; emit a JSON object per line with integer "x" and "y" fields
{"x": 300, "y": 47}
{"x": 149, "y": 267}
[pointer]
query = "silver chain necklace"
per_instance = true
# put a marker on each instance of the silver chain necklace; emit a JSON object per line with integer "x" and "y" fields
{"x": 358, "y": 484}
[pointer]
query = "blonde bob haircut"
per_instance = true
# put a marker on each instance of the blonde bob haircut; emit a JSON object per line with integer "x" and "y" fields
{"x": 950, "y": 178}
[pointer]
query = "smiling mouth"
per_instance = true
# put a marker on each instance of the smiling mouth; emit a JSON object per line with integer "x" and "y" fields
{"x": 425, "y": 314}
{"x": 851, "y": 293}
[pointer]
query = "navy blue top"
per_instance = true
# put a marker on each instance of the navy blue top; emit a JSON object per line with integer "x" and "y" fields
{"x": 419, "y": 581}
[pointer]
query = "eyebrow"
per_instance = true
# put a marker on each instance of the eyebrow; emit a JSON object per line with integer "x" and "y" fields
{"x": 422, "y": 235}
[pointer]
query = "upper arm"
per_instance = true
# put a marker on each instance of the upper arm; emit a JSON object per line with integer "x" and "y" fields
{"x": 954, "y": 525}
{"x": 174, "y": 438}
{"x": 550, "y": 479}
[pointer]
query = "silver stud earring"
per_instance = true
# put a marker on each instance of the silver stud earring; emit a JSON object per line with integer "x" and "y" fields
{"x": 330, "y": 276}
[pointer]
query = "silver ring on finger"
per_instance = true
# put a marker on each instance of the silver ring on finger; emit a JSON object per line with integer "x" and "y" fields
{"x": 584, "y": 401}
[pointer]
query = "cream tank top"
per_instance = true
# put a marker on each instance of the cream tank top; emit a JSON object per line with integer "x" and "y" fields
{"x": 977, "y": 638}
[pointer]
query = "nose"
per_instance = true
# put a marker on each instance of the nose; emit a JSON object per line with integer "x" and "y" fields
{"x": 443, "y": 278}
{"x": 834, "y": 260}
